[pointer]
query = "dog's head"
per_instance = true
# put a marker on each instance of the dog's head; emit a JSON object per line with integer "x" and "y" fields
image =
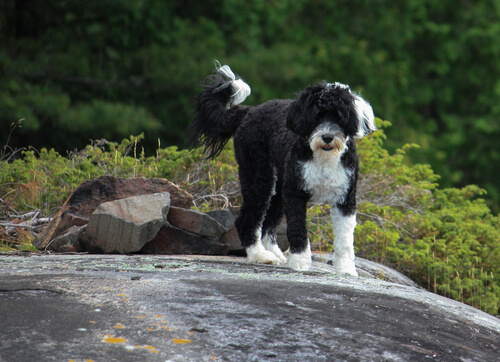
{"x": 328, "y": 114}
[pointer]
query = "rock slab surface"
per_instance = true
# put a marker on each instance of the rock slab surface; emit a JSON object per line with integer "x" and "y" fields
{"x": 159, "y": 308}
{"x": 126, "y": 225}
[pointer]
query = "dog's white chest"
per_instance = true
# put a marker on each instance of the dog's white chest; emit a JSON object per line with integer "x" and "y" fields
{"x": 326, "y": 180}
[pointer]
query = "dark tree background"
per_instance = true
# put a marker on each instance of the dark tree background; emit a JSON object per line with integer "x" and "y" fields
{"x": 79, "y": 70}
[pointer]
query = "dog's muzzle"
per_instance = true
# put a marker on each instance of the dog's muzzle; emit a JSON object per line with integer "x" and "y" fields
{"x": 327, "y": 143}
{"x": 327, "y": 139}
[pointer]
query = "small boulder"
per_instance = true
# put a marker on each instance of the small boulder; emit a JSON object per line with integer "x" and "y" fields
{"x": 225, "y": 217}
{"x": 173, "y": 240}
{"x": 84, "y": 200}
{"x": 126, "y": 225}
{"x": 231, "y": 237}
{"x": 195, "y": 222}
{"x": 69, "y": 241}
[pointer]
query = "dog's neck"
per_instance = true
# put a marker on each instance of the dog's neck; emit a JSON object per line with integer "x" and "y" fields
{"x": 325, "y": 178}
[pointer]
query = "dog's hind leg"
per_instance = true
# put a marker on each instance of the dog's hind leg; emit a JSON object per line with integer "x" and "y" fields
{"x": 343, "y": 223}
{"x": 249, "y": 229}
{"x": 274, "y": 215}
{"x": 257, "y": 185}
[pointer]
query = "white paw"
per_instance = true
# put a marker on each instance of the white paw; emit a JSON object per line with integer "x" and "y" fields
{"x": 257, "y": 254}
{"x": 344, "y": 265}
{"x": 275, "y": 249}
{"x": 301, "y": 261}
{"x": 270, "y": 244}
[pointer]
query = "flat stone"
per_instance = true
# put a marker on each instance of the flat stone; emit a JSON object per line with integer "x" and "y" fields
{"x": 195, "y": 222}
{"x": 173, "y": 240}
{"x": 126, "y": 225}
{"x": 83, "y": 201}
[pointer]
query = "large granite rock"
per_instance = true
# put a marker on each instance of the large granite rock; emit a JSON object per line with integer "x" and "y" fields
{"x": 84, "y": 200}
{"x": 126, "y": 225}
{"x": 200, "y": 308}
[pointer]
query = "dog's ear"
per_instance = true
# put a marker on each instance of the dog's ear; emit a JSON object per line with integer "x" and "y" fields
{"x": 295, "y": 118}
{"x": 302, "y": 112}
{"x": 363, "y": 117}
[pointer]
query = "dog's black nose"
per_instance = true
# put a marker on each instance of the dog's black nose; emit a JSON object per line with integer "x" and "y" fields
{"x": 327, "y": 138}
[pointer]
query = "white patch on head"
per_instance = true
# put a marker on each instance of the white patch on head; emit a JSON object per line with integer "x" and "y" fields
{"x": 326, "y": 179}
{"x": 301, "y": 261}
{"x": 365, "y": 116}
{"x": 343, "y": 245}
{"x": 341, "y": 85}
{"x": 364, "y": 112}
{"x": 240, "y": 88}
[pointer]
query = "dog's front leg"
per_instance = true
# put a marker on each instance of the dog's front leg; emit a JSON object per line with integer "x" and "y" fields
{"x": 343, "y": 228}
{"x": 300, "y": 249}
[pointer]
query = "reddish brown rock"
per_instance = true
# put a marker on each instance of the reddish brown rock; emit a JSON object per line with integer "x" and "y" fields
{"x": 226, "y": 218}
{"x": 195, "y": 222}
{"x": 84, "y": 200}
{"x": 69, "y": 240}
{"x": 231, "y": 237}
{"x": 172, "y": 240}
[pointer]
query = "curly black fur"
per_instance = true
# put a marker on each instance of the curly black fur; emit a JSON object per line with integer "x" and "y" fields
{"x": 214, "y": 124}
{"x": 272, "y": 144}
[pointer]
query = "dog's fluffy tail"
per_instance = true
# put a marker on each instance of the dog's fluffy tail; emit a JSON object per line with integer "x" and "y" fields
{"x": 218, "y": 116}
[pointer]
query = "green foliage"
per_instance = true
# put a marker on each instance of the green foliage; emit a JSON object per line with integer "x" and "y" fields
{"x": 43, "y": 180}
{"x": 77, "y": 70}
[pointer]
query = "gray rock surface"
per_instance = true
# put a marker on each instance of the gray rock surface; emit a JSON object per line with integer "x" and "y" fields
{"x": 158, "y": 308}
{"x": 126, "y": 225}
{"x": 225, "y": 217}
{"x": 369, "y": 268}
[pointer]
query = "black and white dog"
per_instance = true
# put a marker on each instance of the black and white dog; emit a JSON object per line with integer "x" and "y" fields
{"x": 290, "y": 153}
